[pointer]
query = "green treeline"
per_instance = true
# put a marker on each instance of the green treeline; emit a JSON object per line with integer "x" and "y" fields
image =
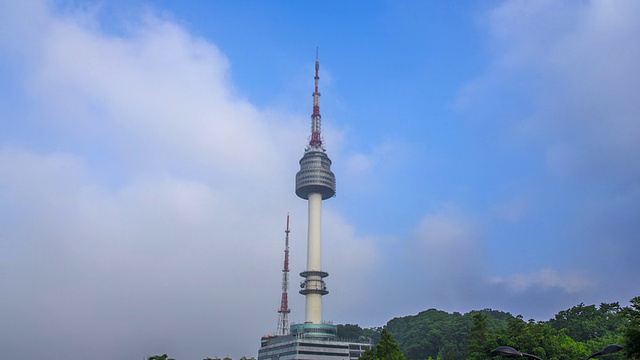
{"x": 572, "y": 334}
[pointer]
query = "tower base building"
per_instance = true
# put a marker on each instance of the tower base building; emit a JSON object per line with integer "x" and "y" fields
{"x": 311, "y": 342}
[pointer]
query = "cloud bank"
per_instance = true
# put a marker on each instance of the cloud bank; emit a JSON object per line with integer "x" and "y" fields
{"x": 127, "y": 200}
{"x": 143, "y": 197}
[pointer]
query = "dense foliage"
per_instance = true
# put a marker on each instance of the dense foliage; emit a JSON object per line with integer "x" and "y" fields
{"x": 160, "y": 357}
{"x": 434, "y": 333}
{"x": 387, "y": 349}
{"x": 355, "y": 332}
{"x": 632, "y": 330}
{"x": 572, "y": 334}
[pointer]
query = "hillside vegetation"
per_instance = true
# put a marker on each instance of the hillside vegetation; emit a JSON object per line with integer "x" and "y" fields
{"x": 572, "y": 334}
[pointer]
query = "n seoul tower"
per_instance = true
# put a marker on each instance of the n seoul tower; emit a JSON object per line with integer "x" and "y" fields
{"x": 315, "y": 182}
{"x": 312, "y": 339}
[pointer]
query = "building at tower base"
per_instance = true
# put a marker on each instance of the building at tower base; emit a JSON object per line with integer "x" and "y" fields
{"x": 311, "y": 342}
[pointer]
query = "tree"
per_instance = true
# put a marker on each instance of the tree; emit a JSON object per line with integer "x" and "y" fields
{"x": 349, "y": 331}
{"x": 355, "y": 332}
{"x": 585, "y": 323}
{"x": 387, "y": 349}
{"x": 573, "y": 333}
{"x": 160, "y": 357}
{"x": 631, "y": 335}
{"x": 435, "y": 333}
{"x": 478, "y": 339}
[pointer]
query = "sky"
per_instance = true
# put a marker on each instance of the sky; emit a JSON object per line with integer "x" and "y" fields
{"x": 486, "y": 156}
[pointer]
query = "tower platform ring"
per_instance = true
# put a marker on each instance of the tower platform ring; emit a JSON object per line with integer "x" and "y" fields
{"x": 321, "y": 274}
{"x": 314, "y": 291}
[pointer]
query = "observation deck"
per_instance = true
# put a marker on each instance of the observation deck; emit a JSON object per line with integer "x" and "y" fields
{"x": 315, "y": 175}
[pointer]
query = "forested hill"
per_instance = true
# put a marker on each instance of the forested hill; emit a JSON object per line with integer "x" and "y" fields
{"x": 438, "y": 333}
{"x": 572, "y": 334}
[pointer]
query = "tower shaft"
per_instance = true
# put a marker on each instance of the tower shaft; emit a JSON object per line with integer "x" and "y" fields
{"x": 313, "y": 300}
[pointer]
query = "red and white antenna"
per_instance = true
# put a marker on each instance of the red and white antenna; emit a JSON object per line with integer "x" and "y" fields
{"x": 316, "y": 137}
{"x": 283, "y": 313}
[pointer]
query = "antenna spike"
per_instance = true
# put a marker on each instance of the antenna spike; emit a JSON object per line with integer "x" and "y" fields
{"x": 316, "y": 132}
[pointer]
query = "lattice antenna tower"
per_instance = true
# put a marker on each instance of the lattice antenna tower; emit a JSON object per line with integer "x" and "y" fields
{"x": 283, "y": 313}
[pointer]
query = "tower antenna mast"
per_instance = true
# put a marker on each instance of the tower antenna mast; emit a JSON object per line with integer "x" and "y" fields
{"x": 283, "y": 313}
{"x": 316, "y": 137}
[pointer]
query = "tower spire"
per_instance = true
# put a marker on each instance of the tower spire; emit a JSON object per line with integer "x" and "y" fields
{"x": 316, "y": 131}
{"x": 283, "y": 313}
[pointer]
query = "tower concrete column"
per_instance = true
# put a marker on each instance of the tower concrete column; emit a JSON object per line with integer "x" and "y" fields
{"x": 314, "y": 234}
{"x": 313, "y": 309}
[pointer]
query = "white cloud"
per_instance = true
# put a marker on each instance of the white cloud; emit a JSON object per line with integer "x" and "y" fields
{"x": 360, "y": 163}
{"x": 523, "y": 30}
{"x": 447, "y": 257}
{"x": 165, "y": 93}
{"x": 445, "y": 231}
{"x": 577, "y": 64}
{"x": 143, "y": 205}
{"x": 560, "y": 90}
{"x": 544, "y": 280}
{"x": 352, "y": 260}
{"x": 369, "y": 172}
{"x": 153, "y": 256}
{"x": 143, "y": 199}
{"x": 513, "y": 209}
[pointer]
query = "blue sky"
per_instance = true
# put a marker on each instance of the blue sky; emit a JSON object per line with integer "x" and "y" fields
{"x": 486, "y": 156}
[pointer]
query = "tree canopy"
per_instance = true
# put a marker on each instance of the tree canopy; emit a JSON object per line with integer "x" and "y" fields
{"x": 631, "y": 336}
{"x": 387, "y": 349}
{"x": 573, "y": 333}
{"x": 160, "y": 357}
